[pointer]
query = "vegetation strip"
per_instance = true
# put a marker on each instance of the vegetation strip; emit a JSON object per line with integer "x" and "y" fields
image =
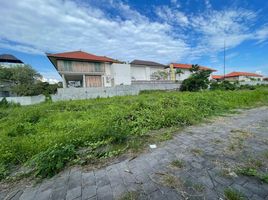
{"x": 86, "y": 131}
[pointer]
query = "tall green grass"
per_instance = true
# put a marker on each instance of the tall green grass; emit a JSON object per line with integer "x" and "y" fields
{"x": 29, "y": 131}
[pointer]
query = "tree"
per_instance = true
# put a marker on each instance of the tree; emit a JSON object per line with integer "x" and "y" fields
{"x": 160, "y": 75}
{"x": 25, "y": 81}
{"x": 5, "y": 74}
{"x": 198, "y": 80}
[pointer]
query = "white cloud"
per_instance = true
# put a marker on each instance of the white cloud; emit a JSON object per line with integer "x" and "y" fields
{"x": 208, "y": 4}
{"x": 64, "y": 26}
{"x": 172, "y": 15}
{"x": 259, "y": 72}
{"x": 229, "y": 25}
{"x": 262, "y": 34}
{"x": 50, "y": 80}
{"x": 38, "y": 26}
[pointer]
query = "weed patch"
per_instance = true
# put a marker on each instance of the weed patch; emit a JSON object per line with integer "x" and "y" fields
{"x": 52, "y": 160}
{"x": 107, "y": 127}
{"x": 247, "y": 171}
{"x": 177, "y": 163}
{"x": 232, "y": 194}
{"x": 130, "y": 196}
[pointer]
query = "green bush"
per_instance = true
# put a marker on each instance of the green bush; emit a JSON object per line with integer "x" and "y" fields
{"x": 3, "y": 171}
{"x": 51, "y": 161}
{"x": 198, "y": 80}
{"x": 224, "y": 85}
{"x": 4, "y": 103}
{"x": 227, "y": 85}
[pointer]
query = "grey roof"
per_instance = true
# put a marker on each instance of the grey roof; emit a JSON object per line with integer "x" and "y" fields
{"x": 148, "y": 63}
{"x": 9, "y": 58}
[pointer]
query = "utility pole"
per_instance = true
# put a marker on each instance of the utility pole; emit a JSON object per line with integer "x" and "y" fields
{"x": 224, "y": 61}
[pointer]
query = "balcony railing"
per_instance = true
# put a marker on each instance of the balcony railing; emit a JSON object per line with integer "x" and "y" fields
{"x": 84, "y": 67}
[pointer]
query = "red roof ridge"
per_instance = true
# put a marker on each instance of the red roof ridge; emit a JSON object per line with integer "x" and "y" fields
{"x": 81, "y": 55}
{"x": 189, "y": 66}
{"x": 235, "y": 74}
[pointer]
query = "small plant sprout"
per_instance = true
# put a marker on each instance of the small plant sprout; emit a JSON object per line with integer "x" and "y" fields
{"x": 177, "y": 163}
{"x": 232, "y": 194}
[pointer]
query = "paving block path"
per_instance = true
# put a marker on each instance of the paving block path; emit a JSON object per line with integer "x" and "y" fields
{"x": 200, "y": 162}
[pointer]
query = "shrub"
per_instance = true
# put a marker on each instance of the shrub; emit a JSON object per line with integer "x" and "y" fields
{"x": 3, "y": 171}
{"x": 247, "y": 87}
{"x": 51, "y": 161}
{"x": 224, "y": 85}
{"x": 197, "y": 81}
{"x": 4, "y": 103}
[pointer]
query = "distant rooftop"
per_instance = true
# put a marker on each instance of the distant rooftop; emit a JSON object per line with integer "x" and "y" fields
{"x": 235, "y": 74}
{"x": 189, "y": 66}
{"x": 7, "y": 58}
{"x": 217, "y": 76}
{"x": 148, "y": 63}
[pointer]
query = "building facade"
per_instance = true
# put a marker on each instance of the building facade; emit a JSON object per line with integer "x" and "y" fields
{"x": 180, "y": 72}
{"x": 243, "y": 77}
{"x": 81, "y": 69}
{"x": 240, "y": 77}
{"x": 142, "y": 70}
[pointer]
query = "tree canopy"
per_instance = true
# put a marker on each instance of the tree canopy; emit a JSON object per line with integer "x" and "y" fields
{"x": 198, "y": 80}
{"x": 25, "y": 81}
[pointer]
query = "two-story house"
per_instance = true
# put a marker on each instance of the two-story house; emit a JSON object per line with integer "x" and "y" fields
{"x": 81, "y": 69}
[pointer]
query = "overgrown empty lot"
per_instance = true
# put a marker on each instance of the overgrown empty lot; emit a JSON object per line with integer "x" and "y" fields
{"x": 50, "y": 135}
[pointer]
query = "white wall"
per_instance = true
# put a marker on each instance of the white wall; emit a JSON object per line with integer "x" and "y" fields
{"x": 143, "y": 73}
{"x": 248, "y": 78}
{"x": 120, "y": 90}
{"x": 138, "y": 73}
{"x": 26, "y": 100}
{"x": 121, "y": 74}
{"x": 185, "y": 75}
{"x": 107, "y": 77}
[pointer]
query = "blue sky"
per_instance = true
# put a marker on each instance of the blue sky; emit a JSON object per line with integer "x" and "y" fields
{"x": 184, "y": 31}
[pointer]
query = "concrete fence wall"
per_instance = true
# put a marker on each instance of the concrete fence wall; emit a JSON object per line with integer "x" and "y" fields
{"x": 121, "y": 90}
{"x": 254, "y": 83}
{"x": 26, "y": 100}
{"x": 89, "y": 93}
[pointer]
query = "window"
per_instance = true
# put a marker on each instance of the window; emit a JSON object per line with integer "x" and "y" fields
{"x": 97, "y": 67}
{"x": 67, "y": 65}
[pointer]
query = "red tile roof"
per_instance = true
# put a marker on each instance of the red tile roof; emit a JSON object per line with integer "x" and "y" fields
{"x": 189, "y": 66}
{"x": 235, "y": 74}
{"x": 217, "y": 76}
{"x": 80, "y": 55}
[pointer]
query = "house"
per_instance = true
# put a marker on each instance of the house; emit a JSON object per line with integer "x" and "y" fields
{"x": 142, "y": 70}
{"x": 239, "y": 76}
{"x": 8, "y": 61}
{"x": 82, "y": 69}
{"x": 243, "y": 76}
{"x": 217, "y": 77}
{"x": 181, "y": 72}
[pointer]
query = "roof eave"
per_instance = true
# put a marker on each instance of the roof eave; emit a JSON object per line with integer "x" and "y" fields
{"x": 79, "y": 59}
